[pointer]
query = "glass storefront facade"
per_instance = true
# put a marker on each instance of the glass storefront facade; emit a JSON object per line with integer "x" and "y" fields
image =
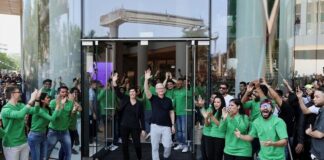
{"x": 51, "y": 41}
{"x": 209, "y": 41}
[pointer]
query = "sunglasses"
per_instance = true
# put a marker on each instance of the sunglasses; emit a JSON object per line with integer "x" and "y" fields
{"x": 265, "y": 106}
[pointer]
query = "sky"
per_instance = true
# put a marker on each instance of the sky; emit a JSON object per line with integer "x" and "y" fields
{"x": 10, "y": 32}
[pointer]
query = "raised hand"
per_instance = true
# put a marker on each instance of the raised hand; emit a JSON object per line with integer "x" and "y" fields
{"x": 115, "y": 77}
{"x": 250, "y": 88}
{"x": 299, "y": 93}
{"x": 224, "y": 113}
{"x": 148, "y": 74}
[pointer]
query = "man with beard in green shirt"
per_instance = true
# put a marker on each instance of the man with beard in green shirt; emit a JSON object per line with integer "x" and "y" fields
{"x": 47, "y": 88}
{"x": 271, "y": 131}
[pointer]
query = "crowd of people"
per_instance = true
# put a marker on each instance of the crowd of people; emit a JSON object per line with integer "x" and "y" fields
{"x": 261, "y": 122}
{"x": 32, "y": 128}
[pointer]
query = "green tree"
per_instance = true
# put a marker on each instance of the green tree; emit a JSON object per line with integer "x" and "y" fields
{"x": 7, "y": 62}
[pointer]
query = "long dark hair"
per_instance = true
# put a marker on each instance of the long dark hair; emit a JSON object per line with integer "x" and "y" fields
{"x": 219, "y": 110}
{"x": 42, "y": 97}
{"x": 238, "y": 103}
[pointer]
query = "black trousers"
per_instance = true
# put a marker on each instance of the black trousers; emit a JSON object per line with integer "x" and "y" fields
{"x": 215, "y": 148}
{"x": 203, "y": 147}
{"x": 74, "y": 135}
{"x": 230, "y": 157}
{"x": 135, "y": 133}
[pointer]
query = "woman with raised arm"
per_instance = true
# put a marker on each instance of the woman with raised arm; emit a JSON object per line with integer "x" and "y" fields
{"x": 132, "y": 119}
{"x": 37, "y": 136}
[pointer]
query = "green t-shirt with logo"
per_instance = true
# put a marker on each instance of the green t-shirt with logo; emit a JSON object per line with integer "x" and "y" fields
{"x": 233, "y": 145}
{"x": 215, "y": 130}
{"x": 273, "y": 129}
{"x": 180, "y": 101}
{"x": 62, "y": 122}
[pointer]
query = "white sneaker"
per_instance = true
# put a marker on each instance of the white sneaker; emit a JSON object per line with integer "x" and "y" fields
{"x": 93, "y": 144}
{"x": 148, "y": 136}
{"x": 185, "y": 149}
{"x": 178, "y": 147}
{"x": 120, "y": 140}
{"x": 112, "y": 147}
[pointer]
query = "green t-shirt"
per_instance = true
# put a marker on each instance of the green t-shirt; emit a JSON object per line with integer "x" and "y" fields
{"x": 107, "y": 99}
{"x": 62, "y": 121}
{"x": 273, "y": 129}
{"x": 13, "y": 120}
{"x": 180, "y": 101}
{"x": 233, "y": 145}
{"x": 206, "y": 129}
{"x": 50, "y": 92}
{"x": 201, "y": 90}
{"x": 189, "y": 101}
{"x": 41, "y": 119}
{"x": 215, "y": 130}
{"x": 170, "y": 94}
{"x": 254, "y": 107}
{"x": 147, "y": 103}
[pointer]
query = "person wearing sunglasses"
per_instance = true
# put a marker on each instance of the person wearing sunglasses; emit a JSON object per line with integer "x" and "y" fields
{"x": 271, "y": 131}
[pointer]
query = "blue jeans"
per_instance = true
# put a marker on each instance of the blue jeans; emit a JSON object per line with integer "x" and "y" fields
{"x": 181, "y": 129}
{"x": 38, "y": 145}
{"x": 63, "y": 137}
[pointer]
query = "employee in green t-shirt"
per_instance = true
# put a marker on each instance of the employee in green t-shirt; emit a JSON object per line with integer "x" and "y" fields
{"x": 180, "y": 102}
{"x": 205, "y": 138}
{"x": 215, "y": 146}
{"x": 47, "y": 88}
{"x": 59, "y": 128}
{"x": 74, "y": 135}
{"x": 235, "y": 119}
{"x": 37, "y": 135}
{"x": 270, "y": 130}
{"x": 13, "y": 119}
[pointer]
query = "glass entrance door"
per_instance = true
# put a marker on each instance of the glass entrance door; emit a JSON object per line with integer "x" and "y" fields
{"x": 181, "y": 66}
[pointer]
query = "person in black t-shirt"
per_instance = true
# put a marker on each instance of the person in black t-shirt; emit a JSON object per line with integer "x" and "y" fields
{"x": 132, "y": 119}
{"x": 317, "y": 132}
{"x": 162, "y": 122}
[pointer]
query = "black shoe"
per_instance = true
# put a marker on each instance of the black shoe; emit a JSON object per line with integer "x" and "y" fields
{"x": 74, "y": 151}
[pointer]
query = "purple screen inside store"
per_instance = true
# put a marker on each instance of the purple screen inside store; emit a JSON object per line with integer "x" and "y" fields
{"x": 104, "y": 72}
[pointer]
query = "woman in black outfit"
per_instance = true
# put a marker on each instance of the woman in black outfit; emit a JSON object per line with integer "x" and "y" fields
{"x": 132, "y": 119}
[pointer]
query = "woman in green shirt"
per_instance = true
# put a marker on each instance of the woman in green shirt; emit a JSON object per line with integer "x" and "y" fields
{"x": 37, "y": 135}
{"x": 216, "y": 143}
{"x": 234, "y": 118}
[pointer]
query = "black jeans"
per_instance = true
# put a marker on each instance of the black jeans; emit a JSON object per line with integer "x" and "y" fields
{"x": 230, "y": 157}
{"x": 74, "y": 136}
{"x": 203, "y": 147}
{"x": 215, "y": 148}
{"x": 135, "y": 133}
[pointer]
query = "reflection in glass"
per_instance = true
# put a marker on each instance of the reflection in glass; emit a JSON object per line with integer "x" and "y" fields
{"x": 181, "y": 18}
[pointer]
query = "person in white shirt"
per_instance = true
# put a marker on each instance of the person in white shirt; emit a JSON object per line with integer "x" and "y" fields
{"x": 223, "y": 89}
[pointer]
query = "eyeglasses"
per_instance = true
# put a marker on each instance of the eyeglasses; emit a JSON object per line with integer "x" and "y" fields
{"x": 265, "y": 106}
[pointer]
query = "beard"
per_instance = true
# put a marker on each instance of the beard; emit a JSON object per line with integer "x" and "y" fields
{"x": 267, "y": 112}
{"x": 257, "y": 99}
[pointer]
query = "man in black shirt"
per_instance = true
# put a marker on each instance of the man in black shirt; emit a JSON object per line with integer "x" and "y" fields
{"x": 162, "y": 122}
{"x": 317, "y": 133}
